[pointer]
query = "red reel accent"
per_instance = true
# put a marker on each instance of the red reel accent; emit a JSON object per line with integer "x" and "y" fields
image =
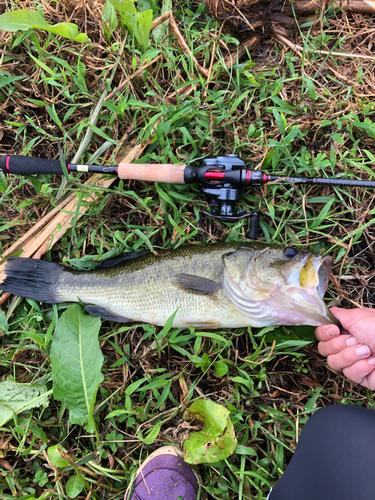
{"x": 214, "y": 176}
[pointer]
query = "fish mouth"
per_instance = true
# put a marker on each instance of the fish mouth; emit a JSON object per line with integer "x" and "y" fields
{"x": 313, "y": 280}
{"x": 307, "y": 281}
{"x": 315, "y": 273}
{"x": 324, "y": 271}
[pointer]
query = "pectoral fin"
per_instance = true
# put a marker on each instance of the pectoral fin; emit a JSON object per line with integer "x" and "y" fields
{"x": 196, "y": 284}
{"x": 107, "y": 314}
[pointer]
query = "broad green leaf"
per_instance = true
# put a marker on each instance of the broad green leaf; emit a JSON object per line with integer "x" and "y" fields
{"x": 55, "y": 457}
{"x": 76, "y": 361}
{"x": 142, "y": 28}
{"x": 134, "y": 386}
{"x": 38, "y": 432}
{"x": 338, "y": 138}
{"x": 138, "y": 23}
{"x": 109, "y": 16}
{"x": 127, "y": 10}
{"x": 74, "y": 486}
{"x": 216, "y": 441}
{"x": 16, "y": 398}
{"x": 245, "y": 450}
{"x": 4, "y": 327}
{"x": 148, "y": 4}
{"x": 221, "y": 368}
{"x": 23, "y": 20}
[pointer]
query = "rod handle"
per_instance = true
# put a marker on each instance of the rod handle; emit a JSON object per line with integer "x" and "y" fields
{"x": 27, "y": 165}
{"x": 173, "y": 174}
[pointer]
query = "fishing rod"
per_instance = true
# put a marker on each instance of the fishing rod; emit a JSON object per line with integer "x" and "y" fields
{"x": 221, "y": 178}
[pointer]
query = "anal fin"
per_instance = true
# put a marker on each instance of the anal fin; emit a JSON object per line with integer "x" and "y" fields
{"x": 203, "y": 324}
{"x": 105, "y": 313}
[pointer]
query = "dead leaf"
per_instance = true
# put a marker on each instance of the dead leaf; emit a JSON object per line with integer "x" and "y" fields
{"x": 5, "y": 464}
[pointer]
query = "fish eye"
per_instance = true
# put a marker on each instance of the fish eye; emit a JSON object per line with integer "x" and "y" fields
{"x": 290, "y": 252}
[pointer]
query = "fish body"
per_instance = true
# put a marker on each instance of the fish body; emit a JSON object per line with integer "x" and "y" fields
{"x": 226, "y": 285}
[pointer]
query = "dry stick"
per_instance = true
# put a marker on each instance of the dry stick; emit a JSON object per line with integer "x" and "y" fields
{"x": 311, "y": 6}
{"x": 184, "y": 46}
{"x": 180, "y": 38}
{"x": 122, "y": 84}
{"x": 160, "y": 20}
{"x": 324, "y": 52}
{"x": 297, "y": 50}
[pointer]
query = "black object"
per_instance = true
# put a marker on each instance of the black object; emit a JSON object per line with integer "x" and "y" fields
{"x": 27, "y": 165}
{"x": 334, "y": 458}
{"x": 221, "y": 179}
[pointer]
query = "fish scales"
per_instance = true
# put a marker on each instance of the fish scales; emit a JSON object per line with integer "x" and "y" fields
{"x": 143, "y": 289}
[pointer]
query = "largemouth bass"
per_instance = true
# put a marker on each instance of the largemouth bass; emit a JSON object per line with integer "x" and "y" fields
{"x": 226, "y": 285}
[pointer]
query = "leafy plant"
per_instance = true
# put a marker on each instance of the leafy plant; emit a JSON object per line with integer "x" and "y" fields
{"x": 109, "y": 19}
{"x": 138, "y": 22}
{"x": 16, "y": 398}
{"x": 216, "y": 441}
{"x": 55, "y": 457}
{"x": 76, "y": 361}
{"x": 23, "y": 20}
{"x": 203, "y": 362}
{"x": 114, "y": 440}
{"x": 74, "y": 486}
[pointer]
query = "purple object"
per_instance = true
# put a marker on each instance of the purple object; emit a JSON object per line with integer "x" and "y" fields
{"x": 164, "y": 476}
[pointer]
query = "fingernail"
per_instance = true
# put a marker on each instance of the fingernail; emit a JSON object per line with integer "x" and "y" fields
{"x": 363, "y": 350}
{"x": 371, "y": 361}
{"x": 331, "y": 332}
{"x": 351, "y": 341}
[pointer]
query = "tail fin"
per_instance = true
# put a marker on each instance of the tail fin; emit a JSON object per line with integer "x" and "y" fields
{"x": 32, "y": 278}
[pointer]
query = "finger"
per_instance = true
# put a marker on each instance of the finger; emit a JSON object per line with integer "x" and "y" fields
{"x": 326, "y": 332}
{"x": 336, "y": 344}
{"x": 369, "y": 380}
{"x": 348, "y": 356}
{"x": 350, "y": 318}
{"x": 345, "y": 316}
{"x": 362, "y": 372}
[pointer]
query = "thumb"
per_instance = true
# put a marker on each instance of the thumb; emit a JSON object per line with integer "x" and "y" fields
{"x": 359, "y": 322}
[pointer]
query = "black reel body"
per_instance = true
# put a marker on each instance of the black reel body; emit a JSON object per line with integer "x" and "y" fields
{"x": 221, "y": 179}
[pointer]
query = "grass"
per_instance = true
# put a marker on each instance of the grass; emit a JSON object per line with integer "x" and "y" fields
{"x": 308, "y": 116}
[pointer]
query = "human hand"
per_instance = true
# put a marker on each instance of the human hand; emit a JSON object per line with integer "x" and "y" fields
{"x": 353, "y": 351}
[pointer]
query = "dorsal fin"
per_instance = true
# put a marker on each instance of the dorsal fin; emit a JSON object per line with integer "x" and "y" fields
{"x": 120, "y": 259}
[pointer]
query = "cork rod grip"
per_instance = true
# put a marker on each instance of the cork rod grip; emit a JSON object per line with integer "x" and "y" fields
{"x": 173, "y": 174}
